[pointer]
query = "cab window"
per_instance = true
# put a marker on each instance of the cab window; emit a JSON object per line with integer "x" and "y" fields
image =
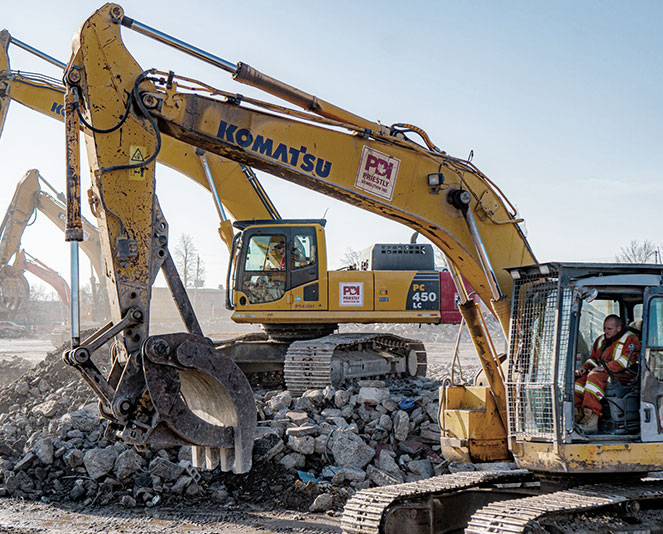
{"x": 303, "y": 251}
{"x": 655, "y": 323}
{"x": 264, "y": 268}
{"x": 591, "y": 323}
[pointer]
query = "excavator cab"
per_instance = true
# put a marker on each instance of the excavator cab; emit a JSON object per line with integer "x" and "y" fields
{"x": 278, "y": 277}
{"x": 278, "y": 265}
{"x": 558, "y": 312}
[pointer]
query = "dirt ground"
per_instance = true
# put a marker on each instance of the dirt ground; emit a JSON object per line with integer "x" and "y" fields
{"x": 18, "y": 517}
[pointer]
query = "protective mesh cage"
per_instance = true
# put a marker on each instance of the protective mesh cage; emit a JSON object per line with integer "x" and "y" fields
{"x": 538, "y": 307}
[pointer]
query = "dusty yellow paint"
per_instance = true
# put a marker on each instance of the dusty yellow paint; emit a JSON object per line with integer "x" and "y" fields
{"x": 588, "y": 457}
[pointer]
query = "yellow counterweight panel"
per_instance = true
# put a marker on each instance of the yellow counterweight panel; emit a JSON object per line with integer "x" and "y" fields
{"x": 392, "y": 289}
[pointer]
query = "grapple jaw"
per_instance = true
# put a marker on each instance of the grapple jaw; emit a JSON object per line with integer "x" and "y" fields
{"x": 177, "y": 390}
{"x": 198, "y": 397}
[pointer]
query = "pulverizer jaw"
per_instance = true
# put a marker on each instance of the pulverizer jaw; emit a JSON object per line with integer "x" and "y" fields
{"x": 201, "y": 398}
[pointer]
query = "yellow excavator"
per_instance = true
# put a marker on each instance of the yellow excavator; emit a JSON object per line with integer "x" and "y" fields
{"x": 30, "y": 198}
{"x": 567, "y": 479}
{"x": 394, "y": 283}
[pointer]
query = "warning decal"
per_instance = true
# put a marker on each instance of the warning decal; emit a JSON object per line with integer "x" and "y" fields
{"x": 137, "y": 155}
{"x": 377, "y": 173}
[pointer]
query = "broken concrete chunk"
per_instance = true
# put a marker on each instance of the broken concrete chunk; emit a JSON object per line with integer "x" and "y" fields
{"x": 303, "y": 445}
{"x": 46, "y": 409}
{"x": 280, "y": 401}
{"x": 421, "y": 467}
{"x": 322, "y": 503}
{"x": 341, "y": 398}
{"x": 373, "y": 395}
{"x": 167, "y": 470}
{"x": 349, "y": 450}
{"x": 127, "y": 463}
{"x": 293, "y": 460}
{"x": 99, "y": 462}
{"x": 401, "y": 422}
{"x": 45, "y": 451}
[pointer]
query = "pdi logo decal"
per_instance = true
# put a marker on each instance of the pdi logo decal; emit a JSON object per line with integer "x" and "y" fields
{"x": 351, "y": 294}
{"x": 377, "y": 173}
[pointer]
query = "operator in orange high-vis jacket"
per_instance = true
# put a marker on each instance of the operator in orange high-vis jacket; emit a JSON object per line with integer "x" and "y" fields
{"x": 617, "y": 349}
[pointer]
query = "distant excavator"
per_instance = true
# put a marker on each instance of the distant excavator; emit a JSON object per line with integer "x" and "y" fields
{"x": 28, "y": 200}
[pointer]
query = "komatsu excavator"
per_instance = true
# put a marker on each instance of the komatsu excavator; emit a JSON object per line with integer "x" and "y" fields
{"x": 394, "y": 283}
{"x": 566, "y": 477}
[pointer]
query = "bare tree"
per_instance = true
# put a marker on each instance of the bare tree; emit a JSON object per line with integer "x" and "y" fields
{"x": 638, "y": 252}
{"x": 39, "y": 292}
{"x": 351, "y": 258}
{"x": 189, "y": 264}
{"x": 199, "y": 277}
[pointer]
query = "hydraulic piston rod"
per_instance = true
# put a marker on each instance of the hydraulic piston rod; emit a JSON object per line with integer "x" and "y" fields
{"x": 246, "y": 74}
{"x": 164, "y": 38}
{"x": 37, "y": 52}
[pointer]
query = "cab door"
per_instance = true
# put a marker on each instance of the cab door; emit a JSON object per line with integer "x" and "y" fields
{"x": 304, "y": 269}
{"x": 261, "y": 276}
{"x": 651, "y": 367}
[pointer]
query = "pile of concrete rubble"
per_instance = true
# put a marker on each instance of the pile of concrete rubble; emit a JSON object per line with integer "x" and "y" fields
{"x": 313, "y": 451}
{"x": 13, "y": 368}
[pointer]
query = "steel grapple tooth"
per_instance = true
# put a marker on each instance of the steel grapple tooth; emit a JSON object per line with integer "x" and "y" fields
{"x": 201, "y": 398}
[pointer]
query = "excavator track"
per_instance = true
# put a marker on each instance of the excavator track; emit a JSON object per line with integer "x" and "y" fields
{"x": 367, "y": 511}
{"x": 527, "y": 514}
{"x": 310, "y": 364}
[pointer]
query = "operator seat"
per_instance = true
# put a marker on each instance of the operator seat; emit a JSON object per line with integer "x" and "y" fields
{"x": 622, "y": 400}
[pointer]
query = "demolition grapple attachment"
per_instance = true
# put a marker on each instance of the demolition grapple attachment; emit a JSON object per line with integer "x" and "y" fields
{"x": 178, "y": 390}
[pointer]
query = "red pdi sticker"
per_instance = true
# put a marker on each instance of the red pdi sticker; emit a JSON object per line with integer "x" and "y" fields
{"x": 351, "y": 294}
{"x": 377, "y": 173}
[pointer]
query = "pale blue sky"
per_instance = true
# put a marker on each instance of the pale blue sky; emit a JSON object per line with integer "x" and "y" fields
{"x": 560, "y": 101}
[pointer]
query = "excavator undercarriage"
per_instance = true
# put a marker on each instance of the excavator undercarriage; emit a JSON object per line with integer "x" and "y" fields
{"x": 327, "y": 361}
{"x": 506, "y": 502}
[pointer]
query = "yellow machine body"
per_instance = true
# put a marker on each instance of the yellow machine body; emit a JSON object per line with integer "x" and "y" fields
{"x": 472, "y": 430}
{"x": 300, "y": 289}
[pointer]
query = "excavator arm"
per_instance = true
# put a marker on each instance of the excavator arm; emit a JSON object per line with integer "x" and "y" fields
{"x": 14, "y": 288}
